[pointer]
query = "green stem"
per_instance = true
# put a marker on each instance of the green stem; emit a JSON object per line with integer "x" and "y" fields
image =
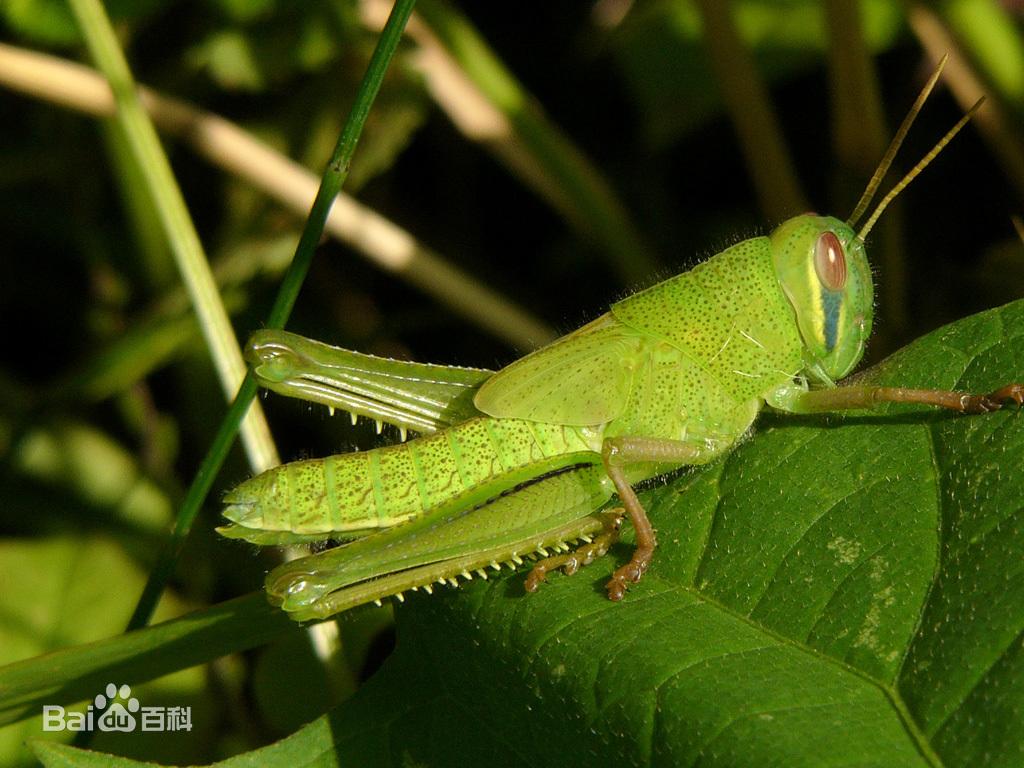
{"x": 333, "y": 178}
{"x": 154, "y": 170}
{"x": 73, "y": 674}
{"x": 859, "y": 138}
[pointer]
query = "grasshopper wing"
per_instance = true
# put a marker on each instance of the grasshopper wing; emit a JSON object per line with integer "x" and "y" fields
{"x": 582, "y": 379}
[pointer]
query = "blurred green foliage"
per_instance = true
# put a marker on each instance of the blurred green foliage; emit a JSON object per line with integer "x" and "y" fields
{"x": 107, "y": 397}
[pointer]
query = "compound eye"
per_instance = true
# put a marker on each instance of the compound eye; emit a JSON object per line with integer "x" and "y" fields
{"x": 830, "y": 261}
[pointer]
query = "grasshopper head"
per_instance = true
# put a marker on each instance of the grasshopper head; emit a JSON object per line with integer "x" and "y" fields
{"x": 824, "y": 272}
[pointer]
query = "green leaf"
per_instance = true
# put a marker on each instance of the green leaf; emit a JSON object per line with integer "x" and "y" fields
{"x": 839, "y": 591}
{"x": 50, "y": 21}
{"x": 53, "y": 755}
{"x": 58, "y": 591}
{"x": 79, "y": 672}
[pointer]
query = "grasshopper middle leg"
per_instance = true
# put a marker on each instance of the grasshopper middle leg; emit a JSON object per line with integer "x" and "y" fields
{"x": 617, "y": 454}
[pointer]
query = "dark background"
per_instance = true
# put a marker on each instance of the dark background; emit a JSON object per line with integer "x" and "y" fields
{"x": 81, "y": 271}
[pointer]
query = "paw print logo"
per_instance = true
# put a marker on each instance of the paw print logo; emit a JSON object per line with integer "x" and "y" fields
{"x": 122, "y": 704}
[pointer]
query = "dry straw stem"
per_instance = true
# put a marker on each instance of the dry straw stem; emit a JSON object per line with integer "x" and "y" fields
{"x": 231, "y": 148}
{"x": 991, "y": 119}
{"x": 859, "y": 140}
{"x": 752, "y": 114}
{"x": 488, "y": 105}
{"x": 150, "y": 164}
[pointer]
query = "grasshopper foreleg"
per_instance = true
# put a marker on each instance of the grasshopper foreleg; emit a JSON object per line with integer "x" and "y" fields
{"x": 855, "y": 397}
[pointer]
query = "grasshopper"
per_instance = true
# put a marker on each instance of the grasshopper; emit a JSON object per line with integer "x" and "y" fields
{"x": 518, "y": 462}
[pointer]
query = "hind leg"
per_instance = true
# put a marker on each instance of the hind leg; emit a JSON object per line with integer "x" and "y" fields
{"x": 583, "y": 555}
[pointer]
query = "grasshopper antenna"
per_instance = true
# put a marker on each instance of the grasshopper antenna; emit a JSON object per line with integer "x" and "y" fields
{"x": 921, "y": 165}
{"x": 894, "y": 145}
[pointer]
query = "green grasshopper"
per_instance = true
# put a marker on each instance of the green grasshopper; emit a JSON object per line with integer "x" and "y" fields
{"x": 518, "y": 462}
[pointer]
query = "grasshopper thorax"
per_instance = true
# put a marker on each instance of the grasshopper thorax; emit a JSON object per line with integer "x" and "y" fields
{"x": 824, "y": 272}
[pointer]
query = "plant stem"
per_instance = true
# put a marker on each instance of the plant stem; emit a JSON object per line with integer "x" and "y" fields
{"x": 333, "y": 178}
{"x": 163, "y": 193}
